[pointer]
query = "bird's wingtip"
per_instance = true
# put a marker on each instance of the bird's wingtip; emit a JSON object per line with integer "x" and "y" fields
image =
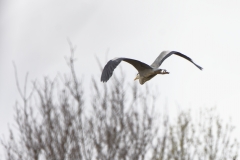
{"x": 199, "y": 67}
{"x": 103, "y": 81}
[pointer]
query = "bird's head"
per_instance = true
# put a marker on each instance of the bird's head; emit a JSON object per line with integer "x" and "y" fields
{"x": 164, "y": 71}
{"x": 137, "y": 77}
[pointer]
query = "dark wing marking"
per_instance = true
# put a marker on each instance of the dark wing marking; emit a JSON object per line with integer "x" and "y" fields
{"x": 165, "y": 54}
{"x": 112, "y": 64}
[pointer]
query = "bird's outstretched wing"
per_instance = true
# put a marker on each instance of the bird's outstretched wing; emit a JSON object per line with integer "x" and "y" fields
{"x": 112, "y": 64}
{"x": 165, "y": 54}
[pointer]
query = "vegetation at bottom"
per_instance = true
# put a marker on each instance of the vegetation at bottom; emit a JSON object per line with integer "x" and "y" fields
{"x": 120, "y": 122}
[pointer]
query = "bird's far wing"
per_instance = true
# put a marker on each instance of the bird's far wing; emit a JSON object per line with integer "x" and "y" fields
{"x": 165, "y": 54}
{"x": 158, "y": 61}
{"x": 112, "y": 64}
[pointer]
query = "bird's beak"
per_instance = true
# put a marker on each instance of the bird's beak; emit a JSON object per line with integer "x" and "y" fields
{"x": 135, "y": 78}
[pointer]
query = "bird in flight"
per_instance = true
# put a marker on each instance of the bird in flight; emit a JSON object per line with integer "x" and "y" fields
{"x": 145, "y": 72}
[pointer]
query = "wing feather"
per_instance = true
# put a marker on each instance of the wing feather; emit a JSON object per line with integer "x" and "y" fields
{"x": 112, "y": 64}
{"x": 165, "y": 54}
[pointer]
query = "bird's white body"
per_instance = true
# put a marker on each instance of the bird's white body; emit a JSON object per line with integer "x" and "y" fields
{"x": 149, "y": 74}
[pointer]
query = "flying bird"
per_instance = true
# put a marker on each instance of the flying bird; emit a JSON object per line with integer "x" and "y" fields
{"x": 145, "y": 72}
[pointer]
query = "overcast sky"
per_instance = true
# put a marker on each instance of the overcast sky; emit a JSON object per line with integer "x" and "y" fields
{"x": 33, "y": 34}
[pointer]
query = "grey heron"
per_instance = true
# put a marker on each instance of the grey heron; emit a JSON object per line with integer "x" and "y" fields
{"x": 145, "y": 72}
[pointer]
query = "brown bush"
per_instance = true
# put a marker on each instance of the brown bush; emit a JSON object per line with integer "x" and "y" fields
{"x": 54, "y": 122}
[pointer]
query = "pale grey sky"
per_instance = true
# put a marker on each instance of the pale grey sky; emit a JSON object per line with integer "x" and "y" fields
{"x": 33, "y": 34}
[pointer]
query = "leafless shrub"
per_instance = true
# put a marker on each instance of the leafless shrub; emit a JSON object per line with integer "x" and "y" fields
{"x": 54, "y": 122}
{"x": 205, "y": 138}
